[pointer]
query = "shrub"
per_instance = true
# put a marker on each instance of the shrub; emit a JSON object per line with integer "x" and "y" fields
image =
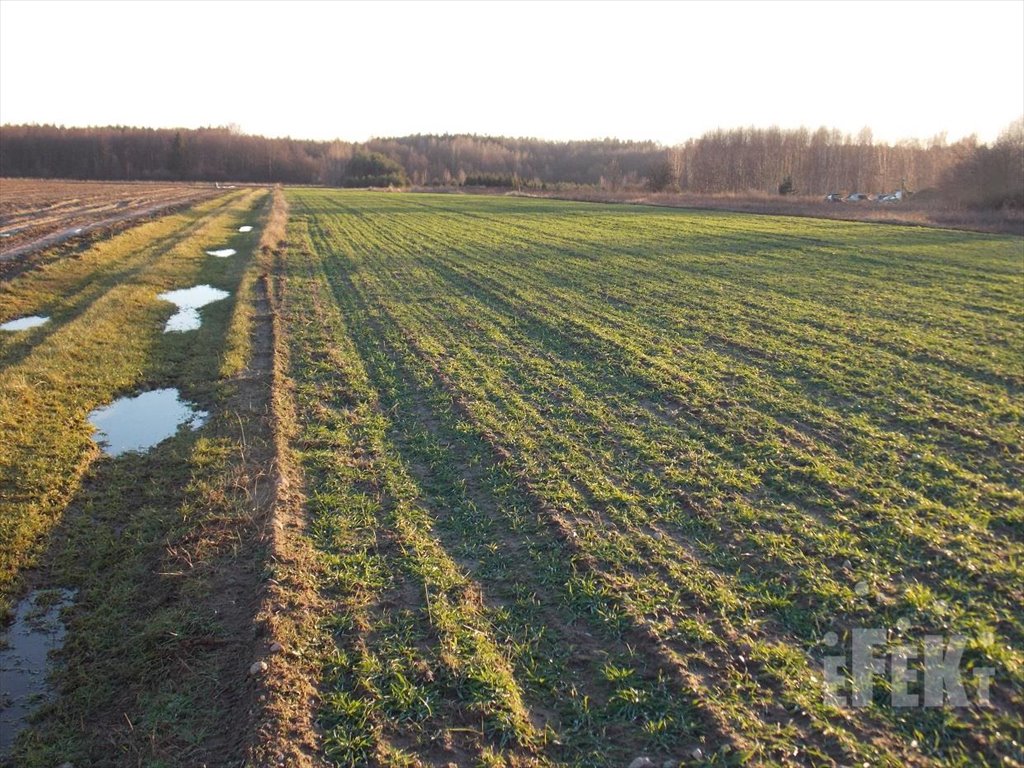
{"x": 372, "y": 169}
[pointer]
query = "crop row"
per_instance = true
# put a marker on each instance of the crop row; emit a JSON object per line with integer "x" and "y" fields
{"x": 594, "y": 483}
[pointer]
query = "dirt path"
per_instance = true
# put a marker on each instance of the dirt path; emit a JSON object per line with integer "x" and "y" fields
{"x": 236, "y": 591}
{"x": 280, "y": 722}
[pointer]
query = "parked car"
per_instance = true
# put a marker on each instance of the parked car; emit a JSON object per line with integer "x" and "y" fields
{"x": 892, "y": 197}
{"x": 856, "y": 197}
{"x": 834, "y": 197}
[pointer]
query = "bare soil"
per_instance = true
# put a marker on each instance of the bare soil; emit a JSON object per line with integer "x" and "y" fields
{"x": 40, "y": 213}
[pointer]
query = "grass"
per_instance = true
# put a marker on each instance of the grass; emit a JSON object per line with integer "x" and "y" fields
{"x": 104, "y": 324}
{"x": 518, "y": 482}
{"x": 163, "y": 548}
{"x": 591, "y": 482}
{"x": 915, "y": 212}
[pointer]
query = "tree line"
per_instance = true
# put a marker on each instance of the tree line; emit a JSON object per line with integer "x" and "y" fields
{"x": 741, "y": 160}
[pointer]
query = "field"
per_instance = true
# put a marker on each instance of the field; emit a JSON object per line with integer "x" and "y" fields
{"x": 921, "y": 210}
{"x": 504, "y": 481}
{"x": 41, "y": 212}
{"x": 164, "y": 549}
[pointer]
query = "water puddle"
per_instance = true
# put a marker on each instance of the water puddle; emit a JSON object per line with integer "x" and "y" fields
{"x": 223, "y": 253}
{"x": 24, "y": 655}
{"x": 246, "y": 228}
{"x": 136, "y": 424}
{"x": 189, "y": 300}
{"x": 24, "y": 323}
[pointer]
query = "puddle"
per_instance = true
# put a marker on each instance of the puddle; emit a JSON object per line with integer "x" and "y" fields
{"x": 189, "y": 300}
{"x": 24, "y": 655}
{"x": 136, "y": 424}
{"x": 223, "y": 253}
{"x": 246, "y": 228}
{"x": 24, "y": 323}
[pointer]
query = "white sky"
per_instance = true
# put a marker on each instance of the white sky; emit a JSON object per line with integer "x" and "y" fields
{"x": 666, "y": 71}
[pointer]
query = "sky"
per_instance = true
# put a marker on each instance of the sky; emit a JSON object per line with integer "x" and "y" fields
{"x": 665, "y": 71}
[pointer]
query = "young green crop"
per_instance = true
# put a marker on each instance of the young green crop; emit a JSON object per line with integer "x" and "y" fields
{"x": 650, "y": 458}
{"x": 581, "y": 483}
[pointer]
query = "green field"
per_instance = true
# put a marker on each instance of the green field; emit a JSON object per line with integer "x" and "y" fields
{"x": 577, "y": 483}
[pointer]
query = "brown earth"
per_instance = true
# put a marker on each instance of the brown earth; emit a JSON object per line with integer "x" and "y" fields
{"x": 37, "y": 214}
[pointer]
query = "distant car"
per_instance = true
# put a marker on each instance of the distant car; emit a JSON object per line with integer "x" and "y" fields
{"x": 856, "y": 197}
{"x": 835, "y": 197}
{"x": 888, "y": 198}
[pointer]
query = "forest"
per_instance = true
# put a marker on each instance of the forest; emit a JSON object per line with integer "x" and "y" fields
{"x": 730, "y": 161}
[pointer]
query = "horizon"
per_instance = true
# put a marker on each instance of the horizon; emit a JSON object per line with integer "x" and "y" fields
{"x": 234, "y": 128}
{"x": 601, "y": 70}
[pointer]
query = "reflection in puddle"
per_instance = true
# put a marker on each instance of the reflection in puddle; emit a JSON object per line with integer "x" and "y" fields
{"x": 189, "y": 300}
{"x": 24, "y": 652}
{"x": 138, "y": 423}
{"x": 223, "y": 253}
{"x": 23, "y": 323}
{"x": 246, "y": 228}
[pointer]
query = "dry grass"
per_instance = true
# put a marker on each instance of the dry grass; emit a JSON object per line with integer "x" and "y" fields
{"x": 273, "y": 236}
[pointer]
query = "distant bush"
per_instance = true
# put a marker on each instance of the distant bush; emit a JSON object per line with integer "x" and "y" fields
{"x": 786, "y": 187}
{"x": 661, "y": 176}
{"x": 490, "y": 180}
{"x": 372, "y": 169}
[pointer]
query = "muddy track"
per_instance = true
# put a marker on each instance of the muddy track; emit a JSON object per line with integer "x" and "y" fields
{"x": 167, "y": 608}
{"x": 278, "y": 720}
{"x": 235, "y": 591}
{"x": 250, "y": 604}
